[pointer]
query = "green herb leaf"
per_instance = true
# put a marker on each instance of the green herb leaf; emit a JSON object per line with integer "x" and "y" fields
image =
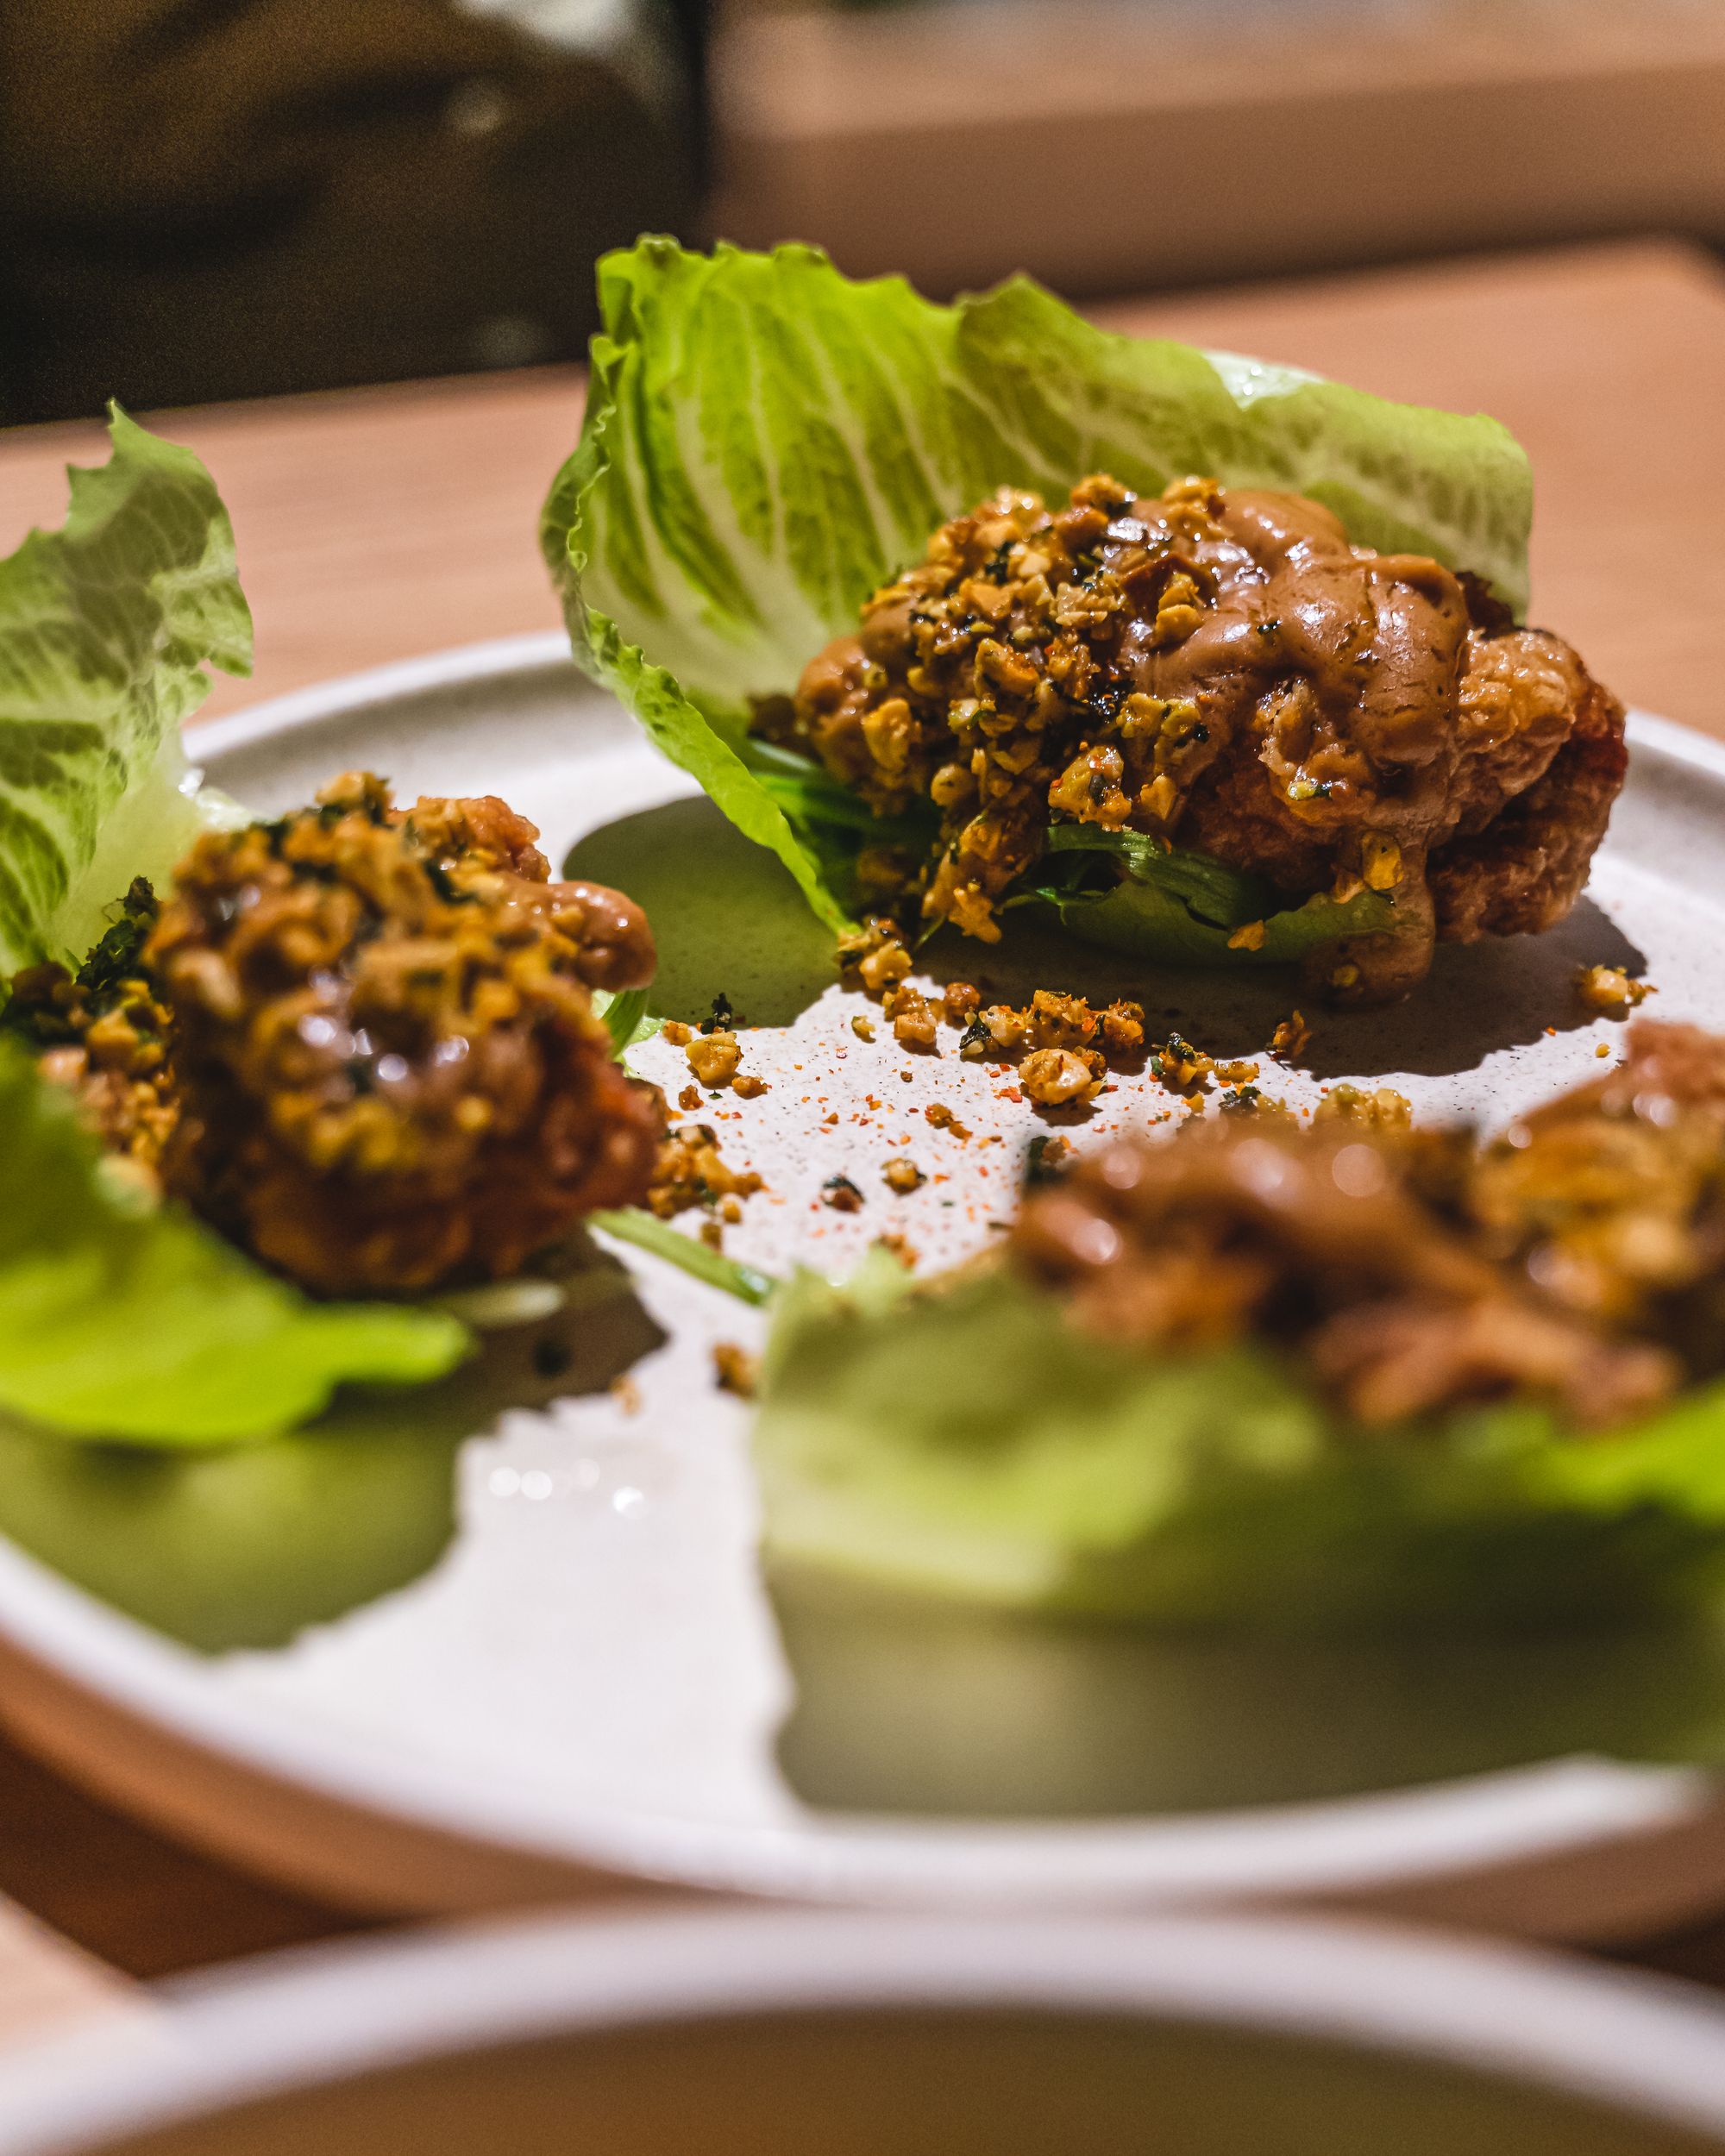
{"x": 105, "y": 629}
{"x": 123, "y": 1320}
{"x": 647, "y": 1232}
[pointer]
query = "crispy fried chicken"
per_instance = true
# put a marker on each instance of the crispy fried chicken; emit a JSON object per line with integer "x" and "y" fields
{"x": 1579, "y": 1259}
{"x": 386, "y": 1066}
{"x": 1219, "y": 668}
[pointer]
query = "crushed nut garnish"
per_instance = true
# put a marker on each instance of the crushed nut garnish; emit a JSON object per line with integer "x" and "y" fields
{"x": 690, "y": 1171}
{"x": 942, "y": 1118}
{"x": 914, "y": 1018}
{"x": 1610, "y": 990}
{"x": 1249, "y": 1100}
{"x": 1062, "y": 1077}
{"x": 714, "y": 1058}
{"x": 735, "y": 1370}
{"x": 841, "y": 1193}
{"x": 1292, "y": 1037}
{"x": 903, "y": 1175}
{"x": 875, "y": 956}
{"x": 1383, "y": 1109}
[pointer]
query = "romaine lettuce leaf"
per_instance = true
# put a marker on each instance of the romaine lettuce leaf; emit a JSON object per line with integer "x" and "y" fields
{"x": 105, "y": 629}
{"x": 123, "y": 1319}
{"x": 961, "y": 1440}
{"x": 1185, "y": 905}
{"x": 766, "y": 441}
{"x": 624, "y": 1012}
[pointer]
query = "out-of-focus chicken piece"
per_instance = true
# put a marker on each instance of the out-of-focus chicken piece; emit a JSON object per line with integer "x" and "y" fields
{"x": 1611, "y": 1199}
{"x": 390, "y": 1072}
{"x": 1314, "y": 1240}
{"x": 1518, "y": 869}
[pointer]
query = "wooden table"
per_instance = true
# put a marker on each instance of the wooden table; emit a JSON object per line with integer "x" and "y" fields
{"x": 375, "y": 525}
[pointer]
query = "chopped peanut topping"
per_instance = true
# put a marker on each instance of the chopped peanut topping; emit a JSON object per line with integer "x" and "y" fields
{"x": 914, "y": 1018}
{"x": 1292, "y": 1037}
{"x": 735, "y": 1370}
{"x": 1385, "y": 1109}
{"x": 1057, "y": 1077}
{"x": 713, "y": 1058}
{"x": 689, "y": 1172}
{"x": 1610, "y": 990}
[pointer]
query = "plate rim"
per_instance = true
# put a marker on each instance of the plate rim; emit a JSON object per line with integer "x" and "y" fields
{"x": 1364, "y": 1841}
{"x": 1652, "y": 2045}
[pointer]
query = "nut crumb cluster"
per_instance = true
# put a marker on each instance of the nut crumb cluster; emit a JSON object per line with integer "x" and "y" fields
{"x": 1610, "y": 990}
{"x": 735, "y": 1370}
{"x": 691, "y": 1171}
{"x": 1065, "y": 1046}
{"x": 714, "y": 1055}
{"x": 1379, "y": 1108}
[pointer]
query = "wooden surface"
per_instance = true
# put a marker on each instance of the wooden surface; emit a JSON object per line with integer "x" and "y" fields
{"x": 1299, "y": 138}
{"x": 377, "y": 525}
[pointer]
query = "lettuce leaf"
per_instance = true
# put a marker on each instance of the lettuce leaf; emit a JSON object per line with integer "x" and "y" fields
{"x": 105, "y": 629}
{"x": 118, "y": 1319}
{"x": 766, "y": 441}
{"x": 1185, "y": 905}
{"x": 624, "y": 1012}
{"x": 961, "y": 1440}
{"x": 126, "y": 1321}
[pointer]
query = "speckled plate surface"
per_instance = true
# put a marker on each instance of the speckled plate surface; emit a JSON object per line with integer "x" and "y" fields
{"x": 536, "y": 1649}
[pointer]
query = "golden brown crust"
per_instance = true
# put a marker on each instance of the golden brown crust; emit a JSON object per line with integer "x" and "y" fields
{"x": 390, "y": 1071}
{"x": 1522, "y": 871}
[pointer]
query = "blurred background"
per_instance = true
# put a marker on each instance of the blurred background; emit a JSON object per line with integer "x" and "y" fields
{"x": 213, "y": 199}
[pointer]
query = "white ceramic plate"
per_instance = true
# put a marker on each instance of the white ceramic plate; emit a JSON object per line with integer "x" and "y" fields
{"x": 575, "y": 1671}
{"x": 782, "y": 2033}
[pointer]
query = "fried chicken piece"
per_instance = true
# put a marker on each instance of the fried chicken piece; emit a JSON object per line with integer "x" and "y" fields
{"x": 464, "y": 839}
{"x": 390, "y": 1073}
{"x": 1611, "y": 1199}
{"x": 1221, "y": 668}
{"x": 1315, "y": 1239}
